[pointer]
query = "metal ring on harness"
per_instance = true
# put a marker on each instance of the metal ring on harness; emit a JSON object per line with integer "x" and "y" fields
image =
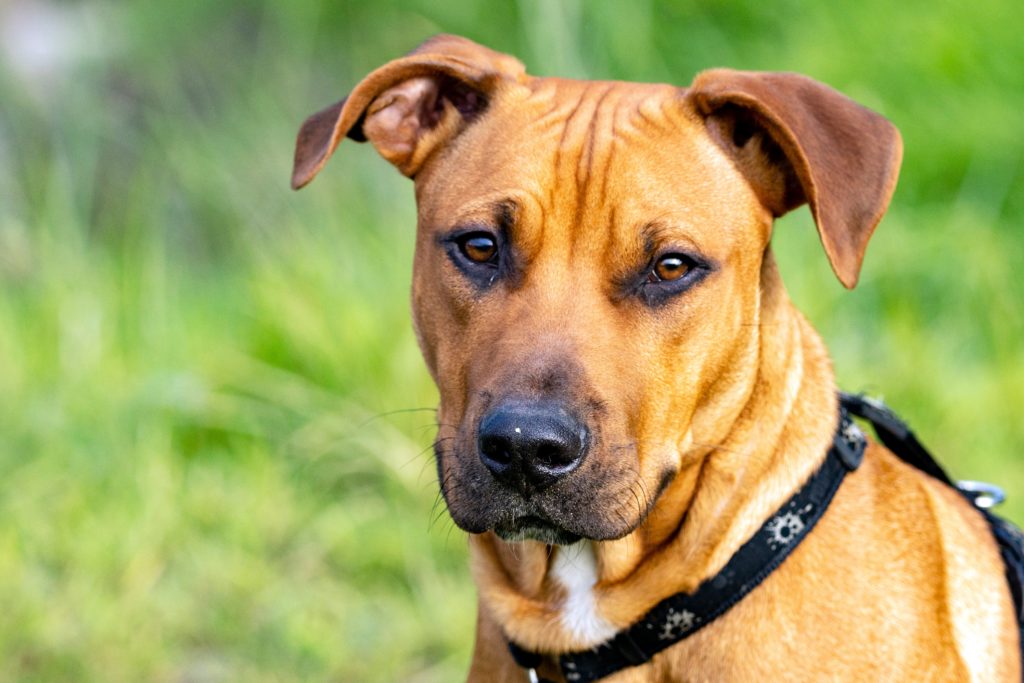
{"x": 984, "y": 494}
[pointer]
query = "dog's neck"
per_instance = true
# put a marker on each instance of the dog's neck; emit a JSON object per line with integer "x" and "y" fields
{"x": 764, "y": 444}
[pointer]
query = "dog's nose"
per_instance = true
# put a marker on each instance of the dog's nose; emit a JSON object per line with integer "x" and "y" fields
{"x": 530, "y": 445}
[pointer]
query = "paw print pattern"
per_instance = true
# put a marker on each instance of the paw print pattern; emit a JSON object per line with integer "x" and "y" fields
{"x": 785, "y": 527}
{"x": 676, "y": 624}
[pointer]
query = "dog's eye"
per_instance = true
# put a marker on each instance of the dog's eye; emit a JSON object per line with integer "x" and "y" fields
{"x": 670, "y": 267}
{"x": 478, "y": 247}
{"x": 478, "y": 253}
{"x": 672, "y": 274}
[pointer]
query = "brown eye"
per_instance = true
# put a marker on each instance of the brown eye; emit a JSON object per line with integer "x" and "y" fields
{"x": 479, "y": 248}
{"x": 671, "y": 267}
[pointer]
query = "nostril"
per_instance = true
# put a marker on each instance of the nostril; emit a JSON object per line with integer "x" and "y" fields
{"x": 496, "y": 449}
{"x": 553, "y": 454}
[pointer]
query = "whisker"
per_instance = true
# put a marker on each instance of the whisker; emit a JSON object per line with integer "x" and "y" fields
{"x": 389, "y": 413}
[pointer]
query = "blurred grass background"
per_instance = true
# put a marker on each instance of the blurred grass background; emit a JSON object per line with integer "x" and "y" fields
{"x": 203, "y": 476}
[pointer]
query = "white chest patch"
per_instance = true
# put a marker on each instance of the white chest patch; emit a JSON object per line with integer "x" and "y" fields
{"x": 575, "y": 568}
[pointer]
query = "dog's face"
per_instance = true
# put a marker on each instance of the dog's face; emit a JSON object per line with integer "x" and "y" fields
{"x": 559, "y": 279}
{"x": 589, "y": 268}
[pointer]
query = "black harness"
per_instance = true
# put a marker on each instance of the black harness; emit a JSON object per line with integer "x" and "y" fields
{"x": 683, "y": 614}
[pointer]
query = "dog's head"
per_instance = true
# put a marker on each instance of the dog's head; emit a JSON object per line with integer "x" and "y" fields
{"x": 591, "y": 262}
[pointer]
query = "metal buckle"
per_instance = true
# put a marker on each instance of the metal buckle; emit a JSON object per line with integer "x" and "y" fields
{"x": 983, "y": 494}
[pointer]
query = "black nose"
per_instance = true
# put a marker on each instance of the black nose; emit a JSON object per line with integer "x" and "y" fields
{"x": 529, "y": 445}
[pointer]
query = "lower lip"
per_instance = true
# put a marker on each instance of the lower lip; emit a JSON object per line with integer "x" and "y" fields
{"x": 536, "y": 529}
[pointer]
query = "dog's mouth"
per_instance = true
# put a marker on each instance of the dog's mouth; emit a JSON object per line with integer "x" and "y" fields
{"x": 580, "y": 509}
{"x": 536, "y": 470}
{"x": 534, "y": 528}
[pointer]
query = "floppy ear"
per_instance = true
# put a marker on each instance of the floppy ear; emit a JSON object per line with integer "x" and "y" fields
{"x": 797, "y": 141}
{"x": 409, "y": 106}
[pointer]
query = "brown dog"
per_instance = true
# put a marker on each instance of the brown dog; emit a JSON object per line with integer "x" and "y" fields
{"x": 627, "y": 393}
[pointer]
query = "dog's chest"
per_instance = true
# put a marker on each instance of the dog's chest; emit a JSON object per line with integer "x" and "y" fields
{"x": 575, "y": 569}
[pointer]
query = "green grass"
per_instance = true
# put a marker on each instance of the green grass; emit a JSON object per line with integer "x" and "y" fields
{"x": 203, "y": 474}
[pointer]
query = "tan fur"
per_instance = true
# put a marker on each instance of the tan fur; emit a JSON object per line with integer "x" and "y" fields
{"x": 726, "y": 391}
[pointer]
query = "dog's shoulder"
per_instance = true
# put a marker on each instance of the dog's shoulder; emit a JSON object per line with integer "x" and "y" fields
{"x": 890, "y": 517}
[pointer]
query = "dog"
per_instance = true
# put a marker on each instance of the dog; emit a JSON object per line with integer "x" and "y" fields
{"x": 627, "y": 393}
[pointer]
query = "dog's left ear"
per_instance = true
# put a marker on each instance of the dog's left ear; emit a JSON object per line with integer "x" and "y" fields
{"x": 408, "y": 107}
{"x": 797, "y": 141}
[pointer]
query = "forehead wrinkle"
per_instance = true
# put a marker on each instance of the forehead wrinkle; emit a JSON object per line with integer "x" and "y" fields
{"x": 597, "y": 161}
{"x": 590, "y": 117}
{"x": 636, "y": 114}
{"x": 585, "y": 164}
{"x": 622, "y": 128}
{"x": 574, "y": 155}
{"x": 545, "y": 128}
{"x": 556, "y": 195}
{"x": 612, "y": 147}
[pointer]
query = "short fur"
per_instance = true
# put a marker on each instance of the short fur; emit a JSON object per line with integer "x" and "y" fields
{"x": 708, "y": 410}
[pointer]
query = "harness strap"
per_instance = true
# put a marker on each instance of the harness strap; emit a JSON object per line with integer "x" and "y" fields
{"x": 683, "y": 614}
{"x": 894, "y": 434}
